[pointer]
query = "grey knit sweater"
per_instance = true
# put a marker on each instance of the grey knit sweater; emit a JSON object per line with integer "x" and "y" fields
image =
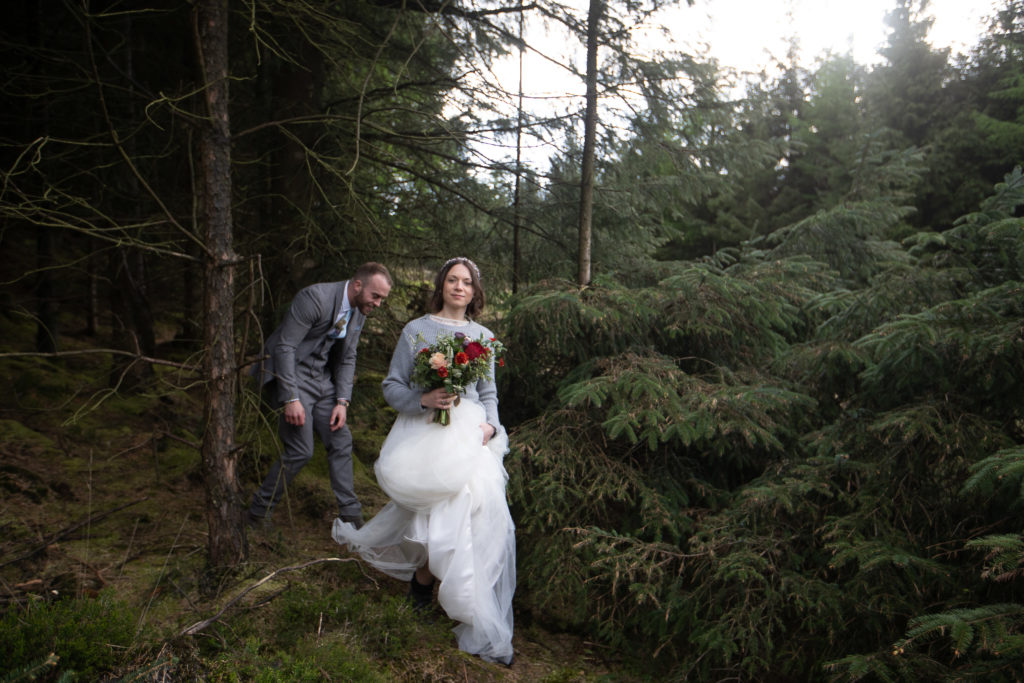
{"x": 404, "y": 396}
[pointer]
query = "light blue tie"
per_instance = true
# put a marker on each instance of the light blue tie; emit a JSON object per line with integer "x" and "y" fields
{"x": 340, "y": 325}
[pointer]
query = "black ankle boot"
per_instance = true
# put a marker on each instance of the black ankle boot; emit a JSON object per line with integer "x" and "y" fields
{"x": 421, "y": 596}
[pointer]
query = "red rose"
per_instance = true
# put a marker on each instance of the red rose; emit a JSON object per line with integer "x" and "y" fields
{"x": 424, "y": 350}
{"x": 501, "y": 362}
{"x": 475, "y": 349}
{"x": 461, "y": 358}
{"x": 442, "y": 372}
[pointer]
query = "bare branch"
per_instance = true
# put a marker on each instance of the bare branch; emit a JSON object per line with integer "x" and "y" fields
{"x": 200, "y": 625}
{"x": 114, "y": 352}
{"x": 67, "y": 530}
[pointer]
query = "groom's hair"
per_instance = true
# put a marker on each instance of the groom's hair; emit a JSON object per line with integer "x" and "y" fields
{"x": 369, "y": 269}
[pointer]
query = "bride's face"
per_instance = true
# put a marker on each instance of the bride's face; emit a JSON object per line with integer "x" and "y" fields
{"x": 458, "y": 287}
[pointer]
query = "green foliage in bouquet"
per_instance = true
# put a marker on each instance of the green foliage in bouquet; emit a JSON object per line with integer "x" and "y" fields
{"x": 454, "y": 361}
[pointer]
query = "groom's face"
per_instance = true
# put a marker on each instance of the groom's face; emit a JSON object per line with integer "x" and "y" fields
{"x": 371, "y": 294}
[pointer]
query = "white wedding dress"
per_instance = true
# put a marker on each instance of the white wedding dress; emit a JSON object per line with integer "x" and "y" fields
{"x": 447, "y": 506}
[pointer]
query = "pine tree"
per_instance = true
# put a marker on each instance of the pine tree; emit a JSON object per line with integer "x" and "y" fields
{"x": 766, "y": 465}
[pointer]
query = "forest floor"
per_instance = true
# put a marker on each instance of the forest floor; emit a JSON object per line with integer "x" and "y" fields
{"x": 102, "y": 499}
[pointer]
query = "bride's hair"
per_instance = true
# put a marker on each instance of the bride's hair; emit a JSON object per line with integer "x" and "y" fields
{"x": 437, "y": 298}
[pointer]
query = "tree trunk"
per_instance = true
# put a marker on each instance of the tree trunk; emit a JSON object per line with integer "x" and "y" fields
{"x": 133, "y": 328}
{"x": 227, "y": 543}
{"x": 589, "y": 143}
{"x": 294, "y": 95}
{"x": 46, "y": 260}
{"x": 516, "y": 216}
{"x": 92, "y": 307}
{"x": 46, "y": 303}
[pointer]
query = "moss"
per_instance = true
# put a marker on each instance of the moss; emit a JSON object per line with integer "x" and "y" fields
{"x": 20, "y": 440}
{"x": 177, "y": 461}
{"x": 305, "y": 630}
{"x": 304, "y": 660}
{"x": 89, "y": 635}
{"x": 565, "y": 675}
{"x": 311, "y": 495}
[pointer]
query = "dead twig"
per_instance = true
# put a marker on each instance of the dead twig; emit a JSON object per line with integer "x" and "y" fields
{"x": 69, "y": 530}
{"x": 112, "y": 352}
{"x": 200, "y": 625}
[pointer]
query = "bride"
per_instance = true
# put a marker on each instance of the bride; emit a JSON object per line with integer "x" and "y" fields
{"x": 447, "y": 517}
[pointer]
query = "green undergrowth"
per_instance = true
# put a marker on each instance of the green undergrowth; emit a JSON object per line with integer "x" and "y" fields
{"x": 89, "y": 636}
{"x": 103, "y": 537}
{"x": 302, "y": 629}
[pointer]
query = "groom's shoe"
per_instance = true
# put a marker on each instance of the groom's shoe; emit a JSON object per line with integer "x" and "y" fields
{"x": 255, "y": 521}
{"x": 354, "y": 520}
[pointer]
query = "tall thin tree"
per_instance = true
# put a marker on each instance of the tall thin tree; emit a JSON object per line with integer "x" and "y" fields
{"x": 589, "y": 143}
{"x": 227, "y": 542}
{"x": 516, "y": 215}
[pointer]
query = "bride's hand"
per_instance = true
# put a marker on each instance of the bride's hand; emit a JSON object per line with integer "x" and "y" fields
{"x": 488, "y": 430}
{"x": 437, "y": 398}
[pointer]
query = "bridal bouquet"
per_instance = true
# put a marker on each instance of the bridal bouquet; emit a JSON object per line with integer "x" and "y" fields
{"x": 455, "y": 362}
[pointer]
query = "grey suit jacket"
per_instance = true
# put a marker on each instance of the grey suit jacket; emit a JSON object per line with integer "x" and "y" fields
{"x": 309, "y": 319}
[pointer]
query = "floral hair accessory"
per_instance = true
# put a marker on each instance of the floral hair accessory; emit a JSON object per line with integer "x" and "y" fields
{"x": 464, "y": 261}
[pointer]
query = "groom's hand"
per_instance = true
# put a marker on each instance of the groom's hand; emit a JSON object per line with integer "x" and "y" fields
{"x": 338, "y": 417}
{"x": 294, "y": 413}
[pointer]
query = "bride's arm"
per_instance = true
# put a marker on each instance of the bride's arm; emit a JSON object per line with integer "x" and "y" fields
{"x": 399, "y": 392}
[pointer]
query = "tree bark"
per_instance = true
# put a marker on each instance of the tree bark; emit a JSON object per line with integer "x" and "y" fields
{"x": 227, "y": 542}
{"x": 133, "y": 327}
{"x": 47, "y": 312}
{"x": 46, "y": 303}
{"x": 516, "y": 216}
{"x": 589, "y": 143}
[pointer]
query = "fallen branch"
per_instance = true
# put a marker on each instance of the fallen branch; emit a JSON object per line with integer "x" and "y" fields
{"x": 200, "y": 625}
{"x": 68, "y": 530}
{"x": 111, "y": 352}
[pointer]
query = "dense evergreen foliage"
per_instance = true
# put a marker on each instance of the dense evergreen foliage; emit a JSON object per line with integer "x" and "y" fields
{"x": 780, "y": 435}
{"x": 762, "y": 472}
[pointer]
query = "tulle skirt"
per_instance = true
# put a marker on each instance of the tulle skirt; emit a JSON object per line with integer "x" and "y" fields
{"x": 447, "y": 506}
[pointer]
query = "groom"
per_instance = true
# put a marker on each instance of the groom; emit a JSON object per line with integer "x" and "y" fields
{"x": 312, "y": 358}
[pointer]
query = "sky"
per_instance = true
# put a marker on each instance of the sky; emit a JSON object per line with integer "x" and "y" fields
{"x": 741, "y": 31}
{"x": 743, "y": 35}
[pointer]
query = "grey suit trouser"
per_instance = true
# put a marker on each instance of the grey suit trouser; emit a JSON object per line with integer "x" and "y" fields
{"x": 298, "y": 450}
